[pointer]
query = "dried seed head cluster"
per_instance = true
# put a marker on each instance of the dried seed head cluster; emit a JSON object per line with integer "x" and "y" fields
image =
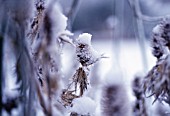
{"x": 86, "y": 56}
{"x": 157, "y": 81}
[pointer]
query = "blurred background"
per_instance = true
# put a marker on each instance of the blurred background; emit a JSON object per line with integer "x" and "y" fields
{"x": 121, "y": 30}
{"x": 105, "y": 17}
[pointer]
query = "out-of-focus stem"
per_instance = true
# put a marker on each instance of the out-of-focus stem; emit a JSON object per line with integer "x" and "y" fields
{"x": 118, "y": 33}
{"x": 72, "y": 13}
{"x": 1, "y": 70}
{"x": 141, "y": 35}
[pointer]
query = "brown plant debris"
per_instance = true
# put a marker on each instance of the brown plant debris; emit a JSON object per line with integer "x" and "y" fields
{"x": 158, "y": 79}
{"x": 79, "y": 82}
{"x": 76, "y": 114}
{"x": 80, "y": 79}
{"x": 67, "y": 97}
{"x": 40, "y": 7}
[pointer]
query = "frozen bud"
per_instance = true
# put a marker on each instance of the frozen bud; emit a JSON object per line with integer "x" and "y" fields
{"x": 86, "y": 54}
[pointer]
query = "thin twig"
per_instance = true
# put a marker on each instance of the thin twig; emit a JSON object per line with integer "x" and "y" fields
{"x": 72, "y": 13}
{"x": 142, "y": 16}
{"x": 141, "y": 34}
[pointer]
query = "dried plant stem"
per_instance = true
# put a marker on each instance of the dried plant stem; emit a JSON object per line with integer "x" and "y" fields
{"x": 49, "y": 95}
{"x": 41, "y": 99}
{"x": 79, "y": 82}
{"x": 141, "y": 34}
{"x": 72, "y": 13}
{"x": 119, "y": 12}
{"x": 1, "y": 70}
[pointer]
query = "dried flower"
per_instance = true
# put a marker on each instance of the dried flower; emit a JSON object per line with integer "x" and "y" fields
{"x": 80, "y": 78}
{"x": 157, "y": 81}
{"x": 86, "y": 54}
{"x": 80, "y": 81}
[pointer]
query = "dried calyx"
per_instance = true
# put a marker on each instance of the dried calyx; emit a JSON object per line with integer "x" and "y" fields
{"x": 79, "y": 81}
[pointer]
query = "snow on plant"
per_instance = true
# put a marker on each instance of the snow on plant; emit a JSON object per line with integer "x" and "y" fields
{"x": 83, "y": 106}
{"x": 86, "y": 55}
{"x": 157, "y": 81}
{"x": 48, "y": 34}
{"x": 37, "y": 51}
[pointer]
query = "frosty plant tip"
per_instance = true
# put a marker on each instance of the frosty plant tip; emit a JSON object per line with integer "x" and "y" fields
{"x": 86, "y": 55}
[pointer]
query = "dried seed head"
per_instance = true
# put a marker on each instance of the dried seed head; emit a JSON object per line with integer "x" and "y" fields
{"x": 157, "y": 82}
{"x": 86, "y": 54}
{"x": 161, "y": 38}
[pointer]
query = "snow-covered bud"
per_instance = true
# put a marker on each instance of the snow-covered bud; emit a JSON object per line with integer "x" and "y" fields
{"x": 84, "y": 38}
{"x": 161, "y": 38}
{"x": 86, "y": 54}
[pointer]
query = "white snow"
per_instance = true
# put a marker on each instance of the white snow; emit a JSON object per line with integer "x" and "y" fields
{"x": 157, "y": 29}
{"x": 58, "y": 20}
{"x": 84, "y": 106}
{"x": 84, "y": 38}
